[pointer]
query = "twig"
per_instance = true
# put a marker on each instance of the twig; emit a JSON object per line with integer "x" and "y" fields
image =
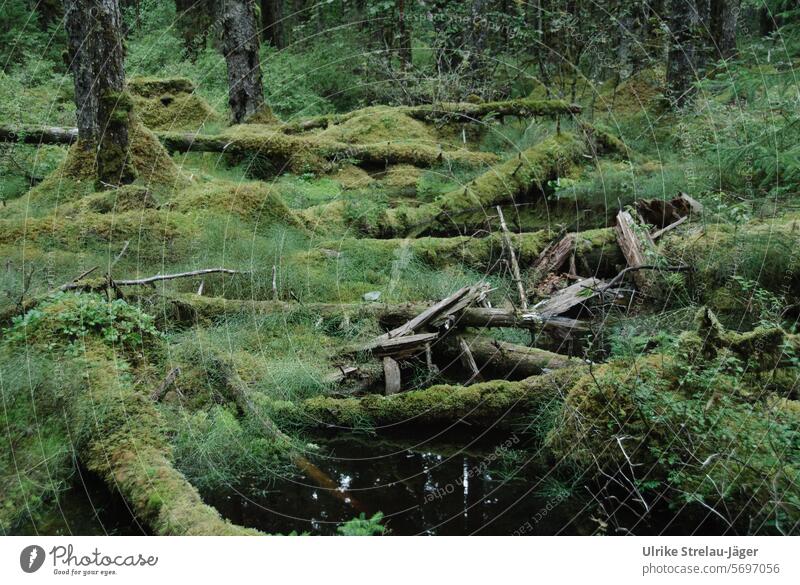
{"x": 81, "y": 276}
{"x": 523, "y": 299}
{"x": 658, "y": 233}
{"x": 160, "y": 277}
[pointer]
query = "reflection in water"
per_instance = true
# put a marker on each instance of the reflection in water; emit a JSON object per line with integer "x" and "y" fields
{"x": 421, "y": 489}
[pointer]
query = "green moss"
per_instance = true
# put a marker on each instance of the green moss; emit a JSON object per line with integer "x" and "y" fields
{"x": 497, "y": 403}
{"x": 255, "y": 202}
{"x": 512, "y": 180}
{"x": 170, "y": 104}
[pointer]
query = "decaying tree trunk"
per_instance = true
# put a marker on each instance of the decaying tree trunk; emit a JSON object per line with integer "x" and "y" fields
{"x": 96, "y": 61}
{"x": 240, "y": 46}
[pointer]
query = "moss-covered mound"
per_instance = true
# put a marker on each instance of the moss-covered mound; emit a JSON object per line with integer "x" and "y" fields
{"x": 686, "y": 429}
{"x": 252, "y": 201}
{"x": 170, "y": 104}
{"x": 380, "y": 124}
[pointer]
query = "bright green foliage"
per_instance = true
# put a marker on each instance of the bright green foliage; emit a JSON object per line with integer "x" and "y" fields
{"x": 363, "y": 526}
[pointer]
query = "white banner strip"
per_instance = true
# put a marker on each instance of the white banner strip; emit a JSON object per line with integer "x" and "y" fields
{"x": 410, "y": 559}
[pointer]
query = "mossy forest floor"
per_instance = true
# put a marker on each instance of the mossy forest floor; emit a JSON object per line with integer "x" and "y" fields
{"x": 681, "y": 394}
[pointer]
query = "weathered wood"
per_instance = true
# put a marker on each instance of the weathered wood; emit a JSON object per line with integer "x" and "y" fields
{"x": 634, "y": 247}
{"x": 567, "y": 298}
{"x": 658, "y": 233}
{"x": 405, "y": 345}
{"x": 391, "y": 375}
{"x": 38, "y": 135}
{"x": 161, "y": 277}
{"x": 660, "y": 213}
{"x": 159, "y": 392}
{"x": 554, "y": 255}
{"x": 509, "y": 248}
{"x": 508, "y": 359}
{"x": 468, "y": 360}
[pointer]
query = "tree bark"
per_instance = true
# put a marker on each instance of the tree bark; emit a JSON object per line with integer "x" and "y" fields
{"x": 403, "y": 35}
{"x": 96, "y": 60}
{"x": 682, "y": 58}
{"x": 272, "y": 23}
{"x": 724, "y": 17}
{"x": 240, "y": 46}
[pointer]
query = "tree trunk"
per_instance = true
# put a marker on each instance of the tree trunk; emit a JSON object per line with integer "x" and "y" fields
{"x": 724, "y": 16}
{"x": 240, "y": 45}
{"x": 194, "y": 21}
{"x": 682, "y": 58}
{"x": 272, "y": 23}
{"x": 96, "y": 61}
{"x": 403, "y": 36}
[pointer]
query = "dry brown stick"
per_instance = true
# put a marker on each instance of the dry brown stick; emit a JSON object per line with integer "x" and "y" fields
{"x": 468, "y": 360}
{"x": 523, "y": 299}
{"x": 658, "y": 233}
{"x": 159, "y": 392}
{"x": 160, "y": 277}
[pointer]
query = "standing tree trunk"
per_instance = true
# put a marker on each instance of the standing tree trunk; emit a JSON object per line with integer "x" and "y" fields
{"x": 724, "y": 17}
{"x": 403, "y": 35}
{"x": 96, "y": 61}
{"x": 682, "y": 58}
{"x": 240, "y": 46}
{"x": 272, "y": 23}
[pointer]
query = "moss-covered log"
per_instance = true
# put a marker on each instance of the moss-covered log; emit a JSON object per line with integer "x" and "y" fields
{"x": 310, "y": 153}
{"x": 120, "y": 437}
{"x": 499, "y": 404}
{"x": 192, "y": 308}
{"x": 523, "y": 108}
{"x": 510, "y": 181}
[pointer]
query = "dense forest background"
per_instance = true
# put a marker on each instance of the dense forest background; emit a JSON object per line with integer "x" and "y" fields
{"x": 246, "y": 246}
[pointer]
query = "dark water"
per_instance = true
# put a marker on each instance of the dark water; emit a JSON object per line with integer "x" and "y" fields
{"x": 88, "y": 508}
{"x": 421, "y": 488}
{"x": 452, "y": 485}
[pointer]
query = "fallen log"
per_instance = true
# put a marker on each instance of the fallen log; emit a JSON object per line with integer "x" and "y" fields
{"x": 296, "y": 152}
{"x": 511, "y": 180}
{"x": 183, "y": 309}
{"x": 497, "y": 404}
{"x": 38, "y": 135}
{"x": 522, "y": 108}
{"x": 503, "y": 358}
{"x": 120, "y": 437}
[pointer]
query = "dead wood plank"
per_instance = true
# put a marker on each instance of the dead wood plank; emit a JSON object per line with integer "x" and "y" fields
{"x": 658, "y": 233}
{"x": 554, "y": 255}
{"x": 391, "y": 375}
{"x": 567, "y": 298}
{"x": 634, "y": 247}
{"x": 405, "y": 345}
{"x": 515, "y": 273}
